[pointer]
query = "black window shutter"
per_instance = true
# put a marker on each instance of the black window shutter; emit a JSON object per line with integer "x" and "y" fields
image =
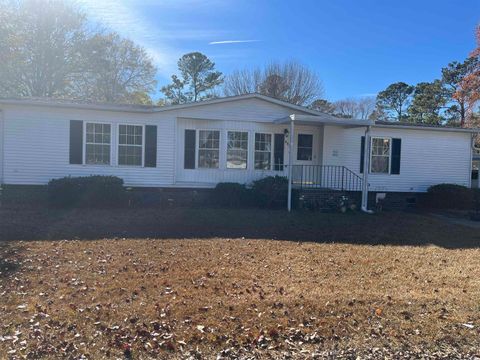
{"x": 76, "y": 142}
{"x": 278, "y": 151}
{"x": 150, "y": 146}
{"x": 362, "y": 154}
{"x": 396, "y": 155}
{"x": 189, "y": 156}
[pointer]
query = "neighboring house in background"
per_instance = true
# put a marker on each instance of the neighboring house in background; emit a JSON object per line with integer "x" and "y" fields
{"x": 234, "y": 139}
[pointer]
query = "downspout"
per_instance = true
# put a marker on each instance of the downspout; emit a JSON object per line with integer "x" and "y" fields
{"x": 366, "y": 170}
{"x": 290, "y": 162}
{"x": 472, "y": 149}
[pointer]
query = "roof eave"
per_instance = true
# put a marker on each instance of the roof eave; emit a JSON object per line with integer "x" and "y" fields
{"x": 430, "y": 128}
{"x": 323, "y": 119}
{"x": 235, "y": 98}
{"x": 116, "y": 108}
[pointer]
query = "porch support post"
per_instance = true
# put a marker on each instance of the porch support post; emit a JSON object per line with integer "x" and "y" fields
{"x": 290, "y": 162}
{"x": 366, "y": 170}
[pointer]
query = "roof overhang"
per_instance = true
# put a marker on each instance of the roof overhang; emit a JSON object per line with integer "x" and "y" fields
{"x": 324, "y": 119}
{"x": 429, "y": 128}
{"x": 81, "y": 106}
{"x": 149, "y": 108}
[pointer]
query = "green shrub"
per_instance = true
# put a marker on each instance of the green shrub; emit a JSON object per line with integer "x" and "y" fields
{"x": 449, "y": 196}
{"x": 89, "y": 191}
{"x": 270, "y": 192}
{"x": 231, "y": 195}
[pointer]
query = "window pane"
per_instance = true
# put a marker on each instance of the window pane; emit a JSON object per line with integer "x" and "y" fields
{"x": 380, "y": 156}
{"x": 208, "y": 148}
{"x": 129, "y": 155}
{"x": 208, "y": 158}
{"x": 304, "y": 147}
{"x": 380, "y": 146}
{"x": 130, "y": 141}
{"x": 304, "y": 154}
{"x": 380, "y": 164}
{"x": 262, "y": 160}
{"x": 305, "y": 140}
{"x": 263, "y": 148}
{"x": 237, "y": 150}
{"x": 97, "y": 149}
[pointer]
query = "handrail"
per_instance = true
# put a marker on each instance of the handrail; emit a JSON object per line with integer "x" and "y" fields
{"x": 335, "y": 177}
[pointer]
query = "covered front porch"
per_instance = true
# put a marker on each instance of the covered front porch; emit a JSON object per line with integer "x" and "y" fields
{"x": 325, "y": 170}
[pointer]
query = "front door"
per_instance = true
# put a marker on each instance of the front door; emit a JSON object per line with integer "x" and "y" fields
{"x": 305, "y": 155}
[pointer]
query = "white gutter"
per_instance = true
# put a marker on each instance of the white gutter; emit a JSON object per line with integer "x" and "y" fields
{"x": 290, "y": 162}
{"x": 427, "y": 128}
{"x": 366, "y": 169}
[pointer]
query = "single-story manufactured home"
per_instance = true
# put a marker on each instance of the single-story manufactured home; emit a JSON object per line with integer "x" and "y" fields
{"x": 233, "y": 139}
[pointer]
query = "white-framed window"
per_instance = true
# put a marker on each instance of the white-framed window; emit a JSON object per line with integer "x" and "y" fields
{"x": 98, "y": 139}
{"x": 130, "y": 145}
{"x": 380, "y": 155}
{"x": 208, "y": 149}
{"x": 237, "y": 149}
{"x": 305, "y": 147}
{"x": 263, "y": 151}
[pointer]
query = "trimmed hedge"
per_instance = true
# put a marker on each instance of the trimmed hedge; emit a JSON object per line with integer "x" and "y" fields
{"x": 450, "y": 196}
{"x": 90, "y": 191}
{"x": 270, "y": 192}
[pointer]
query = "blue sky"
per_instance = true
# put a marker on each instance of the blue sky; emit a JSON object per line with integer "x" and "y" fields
{"x": 358, "y": 47}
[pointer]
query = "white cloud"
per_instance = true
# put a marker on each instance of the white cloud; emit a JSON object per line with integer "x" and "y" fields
{"x": 231, "y": 42}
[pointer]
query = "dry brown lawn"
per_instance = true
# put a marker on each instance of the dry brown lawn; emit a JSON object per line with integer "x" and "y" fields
{"x": 203, "y": 298}
{"x": 164, "y": 297}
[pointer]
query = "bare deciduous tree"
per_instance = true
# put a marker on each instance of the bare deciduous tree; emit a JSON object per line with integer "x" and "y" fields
{"x": 366, "y": 107}
{"x": 346, "y": 108}
{"x": 361, "y": 108}
{"x": 290, "y": 81}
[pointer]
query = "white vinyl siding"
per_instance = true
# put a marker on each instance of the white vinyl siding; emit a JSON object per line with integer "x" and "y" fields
{"x": 37, "y": 142}
{"x": 428, "y": 157}
{"x": 237, "y": 149}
